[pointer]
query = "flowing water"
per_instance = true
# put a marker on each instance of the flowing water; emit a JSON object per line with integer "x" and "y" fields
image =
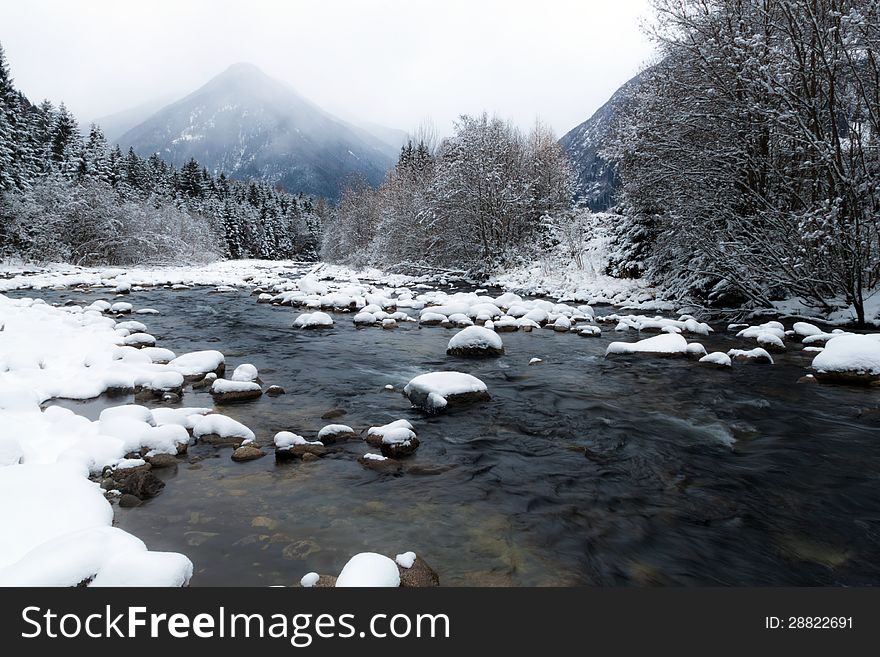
{"x": 579, "y": 471}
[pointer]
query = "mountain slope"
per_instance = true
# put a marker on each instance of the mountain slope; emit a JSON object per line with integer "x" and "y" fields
{"x": 251, "y": 126}
{"x": 117, "y": 124}
{"x": 596, "y": 179}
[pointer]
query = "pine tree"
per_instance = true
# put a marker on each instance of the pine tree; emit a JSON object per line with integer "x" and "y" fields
{"x": 65, "y": 138}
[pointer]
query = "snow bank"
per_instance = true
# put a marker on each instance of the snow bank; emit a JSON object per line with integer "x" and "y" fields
{"x": 60, "y": 534}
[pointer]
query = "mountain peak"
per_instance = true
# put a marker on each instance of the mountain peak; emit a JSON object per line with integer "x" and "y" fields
{"x": 244, "y": 68}
{"x": 254, "y": 127}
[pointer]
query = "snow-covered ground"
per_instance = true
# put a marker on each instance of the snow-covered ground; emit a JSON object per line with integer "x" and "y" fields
{"x": 58, "y": 531}
{"x": 560, "y": 276}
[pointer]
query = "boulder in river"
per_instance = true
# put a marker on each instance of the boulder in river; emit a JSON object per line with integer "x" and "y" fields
{"x": 333, "y": 433}
{"x": 756, "y": 355}
{"x": 437, "y": 391}
{"x": 275, "y": 391}
{"x": 399, "y": 443}
{"x": 289, "y": 445}
{"x": 418, "y": 575}
{"x": 379, "y": 462}
{"x": 225, "y": 391}
{"x": 139, "y": 482}
{"x": 162, "y": 461}
{"x": 475, "y": 342}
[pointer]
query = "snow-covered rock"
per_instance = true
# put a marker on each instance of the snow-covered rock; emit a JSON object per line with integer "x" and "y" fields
{"x": 716, "y": 359}
{"x": 289, "y": 445}
{"x": 667, "y": 344}
{"x": 434, "y": 391}
{"x": 245, "y": 372}
{"x": 399, "y": 429}
{"x": 369, "y": 569}
{"x": 849, "y": 359}
{"x": 316, "y": 320}
{"x": 335, "y": 432}
{"x": 405, "y": 560}
{"x": 220, "y": 430}
{"x": 805, "y": 329}
{"x": 199, "y": 363}
{"x": 309, "y": 580}
{"x": 225, "y": 391}
{"x": 475, "y": 342}
{"x": 364, "y": 319}
{"x": 756, "y": 355}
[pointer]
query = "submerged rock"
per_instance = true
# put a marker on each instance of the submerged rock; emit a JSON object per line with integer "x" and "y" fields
{"x": 379, "y": 462}
{"x": 128, "y": 501}
{"x": 275, "y": 391}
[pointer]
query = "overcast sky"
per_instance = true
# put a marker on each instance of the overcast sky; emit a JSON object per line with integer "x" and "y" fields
{"x": 393, "y": 62}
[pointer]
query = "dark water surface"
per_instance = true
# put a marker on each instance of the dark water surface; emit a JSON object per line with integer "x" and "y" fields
{"x": 579, "y": 471}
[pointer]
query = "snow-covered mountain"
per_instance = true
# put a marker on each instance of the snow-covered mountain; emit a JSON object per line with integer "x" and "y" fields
{"x": 117, "y": 124}
{"x": 596, "y": 179}
{"x": 251, "y": 126}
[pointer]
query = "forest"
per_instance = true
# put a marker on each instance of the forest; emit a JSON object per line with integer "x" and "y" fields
{"x": 66, "y": 197}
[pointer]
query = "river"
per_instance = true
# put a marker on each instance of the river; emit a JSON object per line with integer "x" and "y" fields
{"x": 581, "y": 470}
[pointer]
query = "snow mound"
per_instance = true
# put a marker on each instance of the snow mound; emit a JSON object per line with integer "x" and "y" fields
{"x": 849, "y": 357}
{"x": 667, "y": 344}
{"x": 60, "y": 533}
{"x": 475, "y": 341}
{"x": 313, "y": 320}
{"x": 434, "y": 391}
{"x": 245, "y": 372}
{"x": 288, "y": 439}
{"x": 221, "y": 426}
{"x": 757, "y": 355}
{"x": 224, "y": 386}
{"x": 369, "y": 569}
{"x": 198, "y": 363}
{"x": 309, "y": 580}
{"x": 405, "y": 560}
{"x": 717, "y": 358}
